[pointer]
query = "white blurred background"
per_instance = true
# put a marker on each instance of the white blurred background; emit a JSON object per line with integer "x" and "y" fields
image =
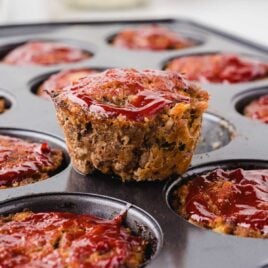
{"x": 246, "y": 18}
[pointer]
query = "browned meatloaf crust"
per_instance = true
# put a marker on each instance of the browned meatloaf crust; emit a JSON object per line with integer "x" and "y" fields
{"x": 227, "y": 201}
{"x": 23, "y": 162}
{"x": 141, "y": 125}
{"x": 2, "y": 105}
{"x": 62, "y": 79}
{"x": 44, "y": 53}
{"x": 150, "y": 37}
{"x": 67, "y": 240}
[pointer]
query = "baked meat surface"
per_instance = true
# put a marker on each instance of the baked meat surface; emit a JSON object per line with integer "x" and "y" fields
{"x": 150, "y": 37}
{"x": 2, "y": 105}
{"x": 232, "y": 202}
{"x": 61, "y": 80}
{"x": 67, "y": 240}
{"x": 219, "y": 68}
{"x": 258, "y": 109}
{"x": 141, "y": 125}
{"x": 23, "y": 162}
{"x": 44, "y": 53}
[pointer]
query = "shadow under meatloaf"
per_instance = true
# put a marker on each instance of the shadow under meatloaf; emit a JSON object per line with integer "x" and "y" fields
{"x": 150, "y": 146}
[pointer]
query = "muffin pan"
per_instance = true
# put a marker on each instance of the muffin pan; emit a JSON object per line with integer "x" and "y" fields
{"x": 228, "y": 138}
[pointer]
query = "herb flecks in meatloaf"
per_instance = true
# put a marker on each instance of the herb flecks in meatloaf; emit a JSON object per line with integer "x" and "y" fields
{"x": 23, "y": 162}
{"x": 67, "y": 240}
{"x": 150, "y": 37}
{"x": 141, "y": 125}
{"x": 44, "y": 53}
{"x": 232, "y": 201}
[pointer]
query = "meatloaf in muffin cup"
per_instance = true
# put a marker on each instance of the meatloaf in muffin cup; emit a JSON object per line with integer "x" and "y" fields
{"x": 139, "y": 125}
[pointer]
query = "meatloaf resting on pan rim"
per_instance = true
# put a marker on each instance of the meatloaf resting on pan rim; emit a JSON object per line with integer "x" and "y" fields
{"x": 141, "y": 125}
{"x": 44, "y": 53}
{"x": 23, "y": 162}
{"x": 62, "y": 239}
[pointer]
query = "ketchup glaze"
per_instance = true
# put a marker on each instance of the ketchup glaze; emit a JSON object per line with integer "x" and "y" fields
{"x": 44, "y": 53}
{"x": 127, "y": 92}
{"x": 239, "y": 197}
{"x": 62, "y": 239}
{"x": 150, "y": 37}
{"x": 20, "y": 160}
{"x": 219, "y": 68}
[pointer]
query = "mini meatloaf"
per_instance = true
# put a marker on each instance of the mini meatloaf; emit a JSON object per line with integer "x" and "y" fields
{"x": 44, "y": 53}
{"x": 23, "y": 162}
{"x": 61, "y": 80}
{"x": 67, "y": 240}
{"x": 141, "y": 125}
{"x": 232, "y": 202}
{"x": 258, "y": 109}
{"x": 150, "y": 37}
{"x": 219, "y": 68}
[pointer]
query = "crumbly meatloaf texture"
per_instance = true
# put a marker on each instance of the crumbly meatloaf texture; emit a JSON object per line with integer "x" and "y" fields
{"x": 258, "y": 109}
{"x": 219, "y": 68}
{"x": 141, "y": 125}
{"x": 23, "y": 162}
{"x": 67, "y": 240}
{"x": 44, "y": 53}
{"x": 62, "y": 79}
{"x": 230, "y": 202}
{"x": 150, "y": 37}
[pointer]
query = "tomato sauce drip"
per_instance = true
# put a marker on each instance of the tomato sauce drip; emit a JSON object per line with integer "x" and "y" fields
{"x": 20, "y": 159}
{"x": 238, "y": 196}
{"x": 63, "y": 239}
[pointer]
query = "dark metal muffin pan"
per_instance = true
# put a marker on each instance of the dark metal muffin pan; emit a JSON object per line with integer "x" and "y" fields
{"x": 241, "y": 140}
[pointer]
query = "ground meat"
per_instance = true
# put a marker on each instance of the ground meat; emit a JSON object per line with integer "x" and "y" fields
{"x": 23, "y": 162}
{"x": 232, "y": 201}
{"x": 62, "y": 79}
{"x": 150, "y": 37}
{"x": 219, "y": 68}
{"x": 67, "y": 240}
{"x": 44, "y": 53}
{"x": 141, "y": 125}
{"x": 258, "y": 109}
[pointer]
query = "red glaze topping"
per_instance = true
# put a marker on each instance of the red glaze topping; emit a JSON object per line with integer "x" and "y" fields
{"x": 151, "y": 37}
{"x": 63, "y": 79}
{"x": 238, "y": 196}
{"x": 61, "y": 239}
{"x": 219, "y": 68}
{"x": 127, "y": 92}
{"x": 44, "y": 53}
{"x": 20, "y": 160}
{"x": 258, "y": 109}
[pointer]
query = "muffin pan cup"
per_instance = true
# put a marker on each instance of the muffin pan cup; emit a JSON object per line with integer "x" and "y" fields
{"x": 184, "y": 245}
